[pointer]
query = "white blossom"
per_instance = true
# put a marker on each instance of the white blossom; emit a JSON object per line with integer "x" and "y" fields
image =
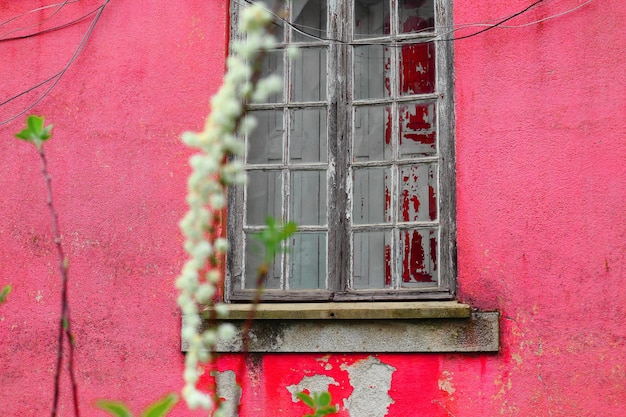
{"x": 212, "y": 169}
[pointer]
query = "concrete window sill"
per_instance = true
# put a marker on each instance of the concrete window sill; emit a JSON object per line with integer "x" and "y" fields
{"x": 403, "y": 327}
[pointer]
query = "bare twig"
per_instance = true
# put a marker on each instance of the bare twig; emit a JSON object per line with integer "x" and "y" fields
{"x": 64, "y": 321}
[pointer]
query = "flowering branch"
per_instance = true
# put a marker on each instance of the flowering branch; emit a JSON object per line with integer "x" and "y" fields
{"x": 213, "y": 169}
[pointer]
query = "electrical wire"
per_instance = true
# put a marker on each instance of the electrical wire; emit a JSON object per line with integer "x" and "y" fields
{"x": 53, "y": 29}
{"x": 60, "y": 6}
{"x": 499, "y": 23}
{"x": 59, "y": 75}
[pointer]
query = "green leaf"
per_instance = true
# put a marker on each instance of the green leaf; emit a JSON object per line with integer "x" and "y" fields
{"x": 24, "y": 134}
{"x": 35, "y": 131}
{"x": 305, "y": 398}
{"x": 161, "y": 407}
{"x": 323, "y": 400}
{"x": 5, "y": 293}
{"x": 115, "y": 408}
{"x": 34, "y": 123}
{"x": 327, "y": 410}
{"x": 289, "y": 229}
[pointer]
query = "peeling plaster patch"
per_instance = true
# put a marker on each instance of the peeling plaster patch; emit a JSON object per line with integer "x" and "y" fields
{"x": 315, "y": 383}
{"x": 445, "y": 383}
{"x": 228, "y": 391}
{"x": 371, "y": 381}
{"x": 323, "y": 362}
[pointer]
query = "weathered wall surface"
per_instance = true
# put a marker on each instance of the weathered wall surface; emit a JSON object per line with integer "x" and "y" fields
{"x": 541, "y": 194}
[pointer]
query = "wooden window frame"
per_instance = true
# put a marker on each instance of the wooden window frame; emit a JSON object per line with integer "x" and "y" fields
{"x": 340, "y": 103}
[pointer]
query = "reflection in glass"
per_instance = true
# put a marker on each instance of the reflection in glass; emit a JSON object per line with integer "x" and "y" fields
{"x": 307, "y": 139}
{"x": 263, "y": 196}
{"x": 372, "y": 260}
{"x": 418, "y": 249}
{"x": 418, "y": 193}
{"x": 309, "y": 20}
{"x": 265, "y": 142}
{"x": 371, "y": 71}
{"x": 416, "y": 16}
{"x": 307, "y": 261}
{"x": 418, "y": 129}
{"x": 371, "y": 18}
{"x": 372, "y": 133}
{"x": 371, "y": 196}
{"x": 278, "y": 26}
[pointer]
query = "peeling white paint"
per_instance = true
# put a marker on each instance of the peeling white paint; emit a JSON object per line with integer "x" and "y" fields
{"x": 371, "y": 382}
{"x": 445, "y": 382}
{"x": 229, "y": 391}
{"x": 315, "y": 383}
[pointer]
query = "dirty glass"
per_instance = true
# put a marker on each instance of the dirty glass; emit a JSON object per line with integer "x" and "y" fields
{"x": 418, "y": 129}
{"x": 371, "y": 195}
{"x": 309, "y": 75}
{"x": 263, "y": 196}
{"x": 371, "y": 18}
{"x": 265, "y": 142}
{"x": 307, "y": 261}
{"x": 418, "y": 252}
{"x": 416, "y": 16}
{"x": 417, "y": 68}
{"x": 308, "y": 20}
{"x": 308, "y": 198}
{"x": 418, "y": 193}
{"x": 371, "y": 71}
{"x": 307, "y": 136}
{"x": 372, "y": 260}
{"x": 255, "y": 257}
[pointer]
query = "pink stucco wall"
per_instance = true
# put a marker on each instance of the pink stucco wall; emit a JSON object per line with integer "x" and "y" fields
{"x": 541, "y": 144}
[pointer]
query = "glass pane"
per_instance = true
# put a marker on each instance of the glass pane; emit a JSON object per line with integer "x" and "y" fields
{"x": 308, "y": 198}
{"x": 263, "y": 196}
{"x": 265, "y": 143}
{"x": 371, "y": 71}
{"x": 255, "y": 255}
{"x": 277, "y": 24}
{"x": 418, "y": 193}
{"x": 307, "y": 139}
{"x": 309, "y": 75}
{"x": 418, "y": 249}
{"x": 371, "y": 196}
{"x": 417, "y": 68}
{"x": 372, "y": 260}
{"x": 307, "y": 261}
{"x": 309, "y": 20}
{"x": 371, "y": 18}
{"x": 418, "y": 129}
{"x": 372, "y": 133}
{"x": 273, "y": 64}
{"x": 416, "y": 16}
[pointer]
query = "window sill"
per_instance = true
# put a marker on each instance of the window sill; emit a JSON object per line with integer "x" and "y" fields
{"x": 345, "y": 311}
{"x": 406, "y": 327}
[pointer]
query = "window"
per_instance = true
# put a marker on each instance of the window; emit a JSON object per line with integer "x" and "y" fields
{"x": 358, "y": 151}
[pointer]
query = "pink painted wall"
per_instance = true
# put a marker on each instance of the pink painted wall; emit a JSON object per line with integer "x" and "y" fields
{"x": 541, "y": 141}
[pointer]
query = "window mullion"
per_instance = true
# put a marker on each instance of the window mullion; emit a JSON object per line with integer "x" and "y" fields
{"x": 339, "y": 150}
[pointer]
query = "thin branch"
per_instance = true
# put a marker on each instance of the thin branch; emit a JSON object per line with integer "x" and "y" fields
{"x": 64, "y": 321}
